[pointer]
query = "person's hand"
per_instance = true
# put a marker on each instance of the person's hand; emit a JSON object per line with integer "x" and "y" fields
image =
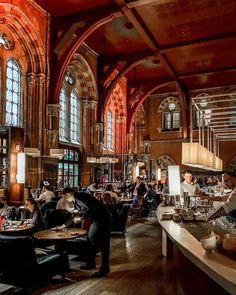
{"x": 59, "y": 227}
{"x": 77, "y": 220}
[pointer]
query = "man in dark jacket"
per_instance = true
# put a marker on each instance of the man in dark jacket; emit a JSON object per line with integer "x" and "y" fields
{"x": 99, "y": 231}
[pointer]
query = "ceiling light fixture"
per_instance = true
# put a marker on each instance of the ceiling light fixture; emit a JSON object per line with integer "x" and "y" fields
{"x": 195, "y": 154}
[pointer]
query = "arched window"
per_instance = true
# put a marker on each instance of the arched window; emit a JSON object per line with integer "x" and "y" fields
{"x": 109, "y": 130}
{"x": 13, "y": 94}
{"x": 63, "y": 116}
{"x": 75, "y": 117}
{"x": 70, "y": 116}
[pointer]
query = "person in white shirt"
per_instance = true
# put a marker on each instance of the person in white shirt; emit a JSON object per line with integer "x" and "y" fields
{"x": 187, "y": 186}
{"x": 46, "y": 195}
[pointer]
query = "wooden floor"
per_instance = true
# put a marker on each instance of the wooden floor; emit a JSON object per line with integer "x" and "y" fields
{"x": 137, "y": 267}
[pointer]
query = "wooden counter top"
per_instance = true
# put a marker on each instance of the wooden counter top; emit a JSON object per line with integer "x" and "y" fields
{"x": 219, "y": 267}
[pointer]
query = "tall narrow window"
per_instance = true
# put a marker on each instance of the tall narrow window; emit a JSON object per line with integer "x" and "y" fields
{"x": 171, "y": 117}
{"x": 75, "y": 117}
{"x": 63, "y": 116}
{"x": 13, "y": 94}
{"x": 109, "y": 130}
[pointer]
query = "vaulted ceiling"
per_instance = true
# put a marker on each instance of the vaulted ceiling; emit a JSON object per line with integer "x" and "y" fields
{"x": 178, "y": 44}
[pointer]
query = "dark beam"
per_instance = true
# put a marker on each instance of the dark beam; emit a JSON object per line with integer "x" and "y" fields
{"x": 149, "y": 82}
{"x": 198, "y": 41}
{"x": 137, "y": 3}
{"x": 102, "y": 11}
{"x": 146, "y": 35}
{"x": 213, "y": 71}
{"x": 139, "y": 54}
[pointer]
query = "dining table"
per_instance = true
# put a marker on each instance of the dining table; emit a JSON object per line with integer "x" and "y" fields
{"x": 11, "y": 227}
{"x": 62, "y": 234}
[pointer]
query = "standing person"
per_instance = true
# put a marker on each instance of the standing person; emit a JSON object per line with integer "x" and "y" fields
{"x": 139, "y": 189}
{"x": 99, "y": 231}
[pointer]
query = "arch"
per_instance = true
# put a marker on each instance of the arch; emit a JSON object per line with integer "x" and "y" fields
{"x": 117, "y": 101}
{"x": 143, "y": 95}
{"x": 164, "y": 161}
{"x": 116, "y": 105}
{"x": 20, "y": 28}
{"x": 164, "y": 104}
{"x": 84, "y": 77}
{"x": 62, "y": 65}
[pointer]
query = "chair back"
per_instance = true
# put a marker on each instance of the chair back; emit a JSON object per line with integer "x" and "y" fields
{"x": 18, "y": 259}
{"x": 48, "y": 205}
{"x": 55, "y": 217}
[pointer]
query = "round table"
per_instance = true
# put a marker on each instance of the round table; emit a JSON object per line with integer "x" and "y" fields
{"x": 68, "y": 233}
{"x": 17, "y": 228}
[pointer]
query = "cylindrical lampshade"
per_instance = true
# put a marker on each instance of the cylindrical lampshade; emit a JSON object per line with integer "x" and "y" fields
{"x": 91, "y": 159}
{"x": 21, "y": 168}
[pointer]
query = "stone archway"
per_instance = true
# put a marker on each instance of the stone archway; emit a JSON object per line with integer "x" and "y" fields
{"x": 164, "y": 161}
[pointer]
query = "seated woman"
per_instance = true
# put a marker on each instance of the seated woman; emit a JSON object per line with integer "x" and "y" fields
{"x": 33, "y": 215}
{"x": 110, "y": 190}
{"x": 5, "y": 210}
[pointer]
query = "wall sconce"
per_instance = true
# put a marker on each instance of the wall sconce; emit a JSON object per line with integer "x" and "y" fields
{"x": 91, "y": 159}
{"x": 20, "y": 177}
{"x": 17, "y": 147}
{"x": 57, "y": 153}
{"x": 34, "y": 152}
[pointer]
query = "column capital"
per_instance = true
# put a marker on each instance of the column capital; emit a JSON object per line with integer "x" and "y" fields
{"x": 89, "y": 104}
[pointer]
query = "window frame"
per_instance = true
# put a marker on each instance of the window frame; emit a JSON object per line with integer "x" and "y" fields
{"x": 18, "y": 113}
{"x": 171, "y": 121}
{"x": 109, "y": 130}
{"x": 67, "y": 129}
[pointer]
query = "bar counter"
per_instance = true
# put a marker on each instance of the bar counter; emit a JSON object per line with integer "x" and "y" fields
{"x": 217, "y": 271}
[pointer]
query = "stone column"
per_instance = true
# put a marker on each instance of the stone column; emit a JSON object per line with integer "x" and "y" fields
{"x": 121, "y": 131}
{"x": 34, "y": 108}
{"x": 89, "y": 108}
{"x": 100, "y": 136}
{"x": 52, "y": 114}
